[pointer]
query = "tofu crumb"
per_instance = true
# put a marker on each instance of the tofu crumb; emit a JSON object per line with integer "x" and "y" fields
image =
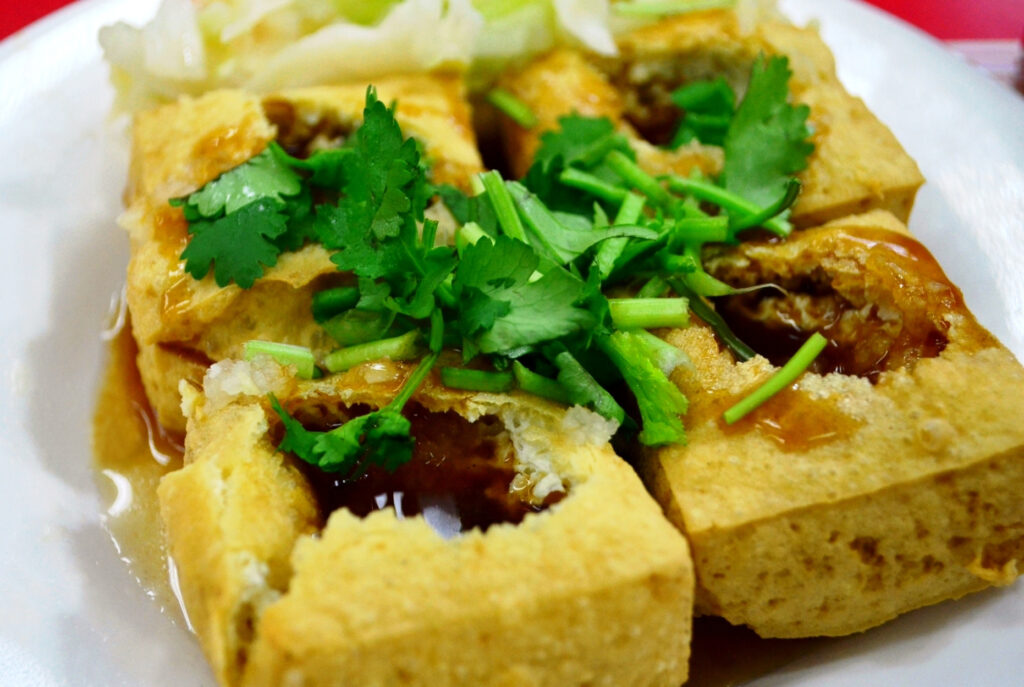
{"x": 229, "y": 379}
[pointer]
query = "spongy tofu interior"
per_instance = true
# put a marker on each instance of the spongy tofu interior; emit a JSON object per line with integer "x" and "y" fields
{"x": 182, "y": 325}
{"x": 596, "y": 589}
{"x": 893, "y": 495}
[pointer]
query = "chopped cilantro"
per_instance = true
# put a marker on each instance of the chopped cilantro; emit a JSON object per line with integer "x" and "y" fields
{"x": 660, "y": 401}
{"x": 767, "y": 140}
{"x": 503, "y": 307}
{"x": 379, "y": 438}
{"x": 265, "y": 176}
{"x": 238, "y": 245}
{"x": 782, "y": 378}
{"x": 707, "y": 112}
{"x": 524, "y": 287}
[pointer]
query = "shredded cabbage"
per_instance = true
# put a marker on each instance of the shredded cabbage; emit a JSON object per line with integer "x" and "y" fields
{"x": 417, "y": 35}
{"x": 192, "y": 46}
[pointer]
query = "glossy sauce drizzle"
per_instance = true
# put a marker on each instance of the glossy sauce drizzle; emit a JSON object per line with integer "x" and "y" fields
{"x": 131, "y": 453}
{"x": 791, "y": 419}
{"x": 459, "y": 477}
{"x": 862, "y": 341}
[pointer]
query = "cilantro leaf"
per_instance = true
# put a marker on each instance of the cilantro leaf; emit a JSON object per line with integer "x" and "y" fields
{"x": 467, "y": 209}
{"x": 767, "y": 140}
{"x": 581, "y": 142}
{"x": 237, "y": 245}
{"x": 660, "y": 401}
{"x": 380, "y": 438}
{"x": 373, "y": 225}
{"x": 480, "y": 311}
{"x": 550, "y": 234}
{"x": 265, "y": 176}
{"x": 436, "y": 266}
{"x": 297, "y": 439}
{"x": 328, "y": 167}
{"x": 707, "y": 112}
{"x": 346, "y": 226}
{"x": 539, "y": 310}
{"x": 301, "y": 222}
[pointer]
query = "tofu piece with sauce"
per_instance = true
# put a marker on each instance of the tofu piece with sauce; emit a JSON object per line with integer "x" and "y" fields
{"x": 183, "y": 325}
{"x": 857, "y": 166}
{"x": 889, "y": 477}
{"x": 539, "y": 558}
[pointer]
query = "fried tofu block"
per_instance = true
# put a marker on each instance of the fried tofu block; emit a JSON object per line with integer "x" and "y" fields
{"x": 889, "y": 478}
{"x": 565, "y": 571}
{"x": 857, "y": 166}
{"x": 182, "y": 325}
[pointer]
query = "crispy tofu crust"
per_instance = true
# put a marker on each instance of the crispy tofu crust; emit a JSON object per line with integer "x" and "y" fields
{"x": 841, "y": 503}
{"x": 595, "y": 590}
{"x": 857, "y": 166}
{"x": 179, "y": 147}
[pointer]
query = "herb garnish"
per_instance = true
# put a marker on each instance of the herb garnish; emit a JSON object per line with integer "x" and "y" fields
{"x": 522, "y": 294}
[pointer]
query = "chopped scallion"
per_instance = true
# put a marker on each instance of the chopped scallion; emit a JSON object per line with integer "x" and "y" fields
{"x": 584, "y": 390}
{"x": 648, "y": 313}
{"x": 608, "y": 252}
{"x": 467, "y": 235}
{"x": 638, "y": 178}
{"x": 402, "y": 347}
{"x": 761, "y": 218}
{"x": 666, "y": 356}
{"x": 516, "y": 110}
{"x": 477, "y": 380}
{"x": 655, "y": 287}
{"x": 331, "y": 302}
{"x": 785, "y": 376}
{"x": 504, "y": 206}
{"x": 593, "y": 185}
{"x": 286, "y": 354}
{"x": 705, "y": 312}
{"x": 539, "y": 385}
{"x": 731, "y": 202}
{"x": 664, "y": 8}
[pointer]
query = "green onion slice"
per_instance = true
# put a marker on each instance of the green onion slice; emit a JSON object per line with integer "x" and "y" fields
{"x": 286, "y": 354}
{"x": 786, "y": 375}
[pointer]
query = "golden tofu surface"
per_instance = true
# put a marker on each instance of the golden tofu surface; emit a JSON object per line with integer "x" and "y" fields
{"x": 855, "y": 495}
{"x": 595, "y": 588}
{"x": 857, "y": 166}
{"x": 179, "y": 147}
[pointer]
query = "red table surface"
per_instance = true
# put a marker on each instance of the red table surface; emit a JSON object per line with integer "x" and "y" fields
{"x": 945, "y": 19}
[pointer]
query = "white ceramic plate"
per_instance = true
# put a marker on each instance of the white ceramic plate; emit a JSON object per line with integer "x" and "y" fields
{"x": 70, "y": 613}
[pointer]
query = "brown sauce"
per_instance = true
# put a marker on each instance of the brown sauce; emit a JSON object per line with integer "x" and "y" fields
{"x": 868, "y": 355}
{"x": 129, "y": 447}
{"x": 863, "y": 339}
{"x": 131, "y": 453}
{"x": 792, "y": 420}
{"x": 461, "y": 468}
{"x": 649, "y": 107}
{"x": 907, "y": 248}
{"x": 301, "y": 136}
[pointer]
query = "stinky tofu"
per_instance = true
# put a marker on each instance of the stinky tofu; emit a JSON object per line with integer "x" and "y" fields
{"x": 565, "y": 571}
{"x": 181, "y": 324}
{"x": 887, "y": 478}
